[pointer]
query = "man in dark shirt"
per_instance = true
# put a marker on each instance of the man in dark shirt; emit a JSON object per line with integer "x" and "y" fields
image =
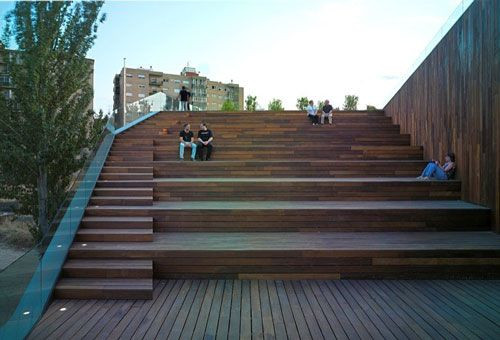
{"x": 205, "y": 138}
{"x": 184, "y": 96}
{"x": 189, "y": 101}
{"x": 327, "y": 112}
{"x": 186, "y": 139}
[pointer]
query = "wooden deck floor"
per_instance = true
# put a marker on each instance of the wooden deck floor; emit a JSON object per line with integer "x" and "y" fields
{"x": 232, "y": 309}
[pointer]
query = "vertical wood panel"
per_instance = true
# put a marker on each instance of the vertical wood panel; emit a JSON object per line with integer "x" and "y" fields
{"x": 452, "y": 103}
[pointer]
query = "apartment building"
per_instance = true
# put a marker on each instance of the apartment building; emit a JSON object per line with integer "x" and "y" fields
{"x": 141, "y": 83}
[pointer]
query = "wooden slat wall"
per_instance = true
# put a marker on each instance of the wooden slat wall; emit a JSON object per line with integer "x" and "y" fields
{"x": 452, "y": 103}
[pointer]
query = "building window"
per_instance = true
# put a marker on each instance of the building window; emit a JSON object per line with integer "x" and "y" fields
{"x": 142, "y": 86}
{"x": 177, "y": 81}
{"x": 177, "y": 90}
{"x": 129, "y": 85}
{"x": 141, "y": 95}
{"x": 185, "y": 82}
{"x": 141, "y": 76}
{"x": 128, "y": 94}
{"x": 130, "y": 75}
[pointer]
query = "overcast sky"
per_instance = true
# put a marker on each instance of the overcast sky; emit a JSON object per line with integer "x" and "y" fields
{"x": 322, "y": 49}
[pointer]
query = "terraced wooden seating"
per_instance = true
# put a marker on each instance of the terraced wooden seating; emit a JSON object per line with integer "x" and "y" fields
{"x": 279, "y": 199}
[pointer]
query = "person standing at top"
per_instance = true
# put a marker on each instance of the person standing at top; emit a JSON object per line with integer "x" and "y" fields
{"x": 327, "y": 112}
{"x": 189, "y": 100}
{"x": 183, "y": 96}
{"x": 186, "y": 139}
{"x": 312, "y": 113}
{"x": 205, "y": 138}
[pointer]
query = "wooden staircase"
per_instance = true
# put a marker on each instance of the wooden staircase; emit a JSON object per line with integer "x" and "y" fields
{"x": 280, "y": 199}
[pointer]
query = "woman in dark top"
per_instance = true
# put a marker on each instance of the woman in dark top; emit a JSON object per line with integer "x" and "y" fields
{"x": 441, "y": 172}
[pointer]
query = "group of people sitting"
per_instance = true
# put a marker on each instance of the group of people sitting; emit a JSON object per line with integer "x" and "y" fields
{"x": 319, "y": 117}
{"x": 198, "y": 147}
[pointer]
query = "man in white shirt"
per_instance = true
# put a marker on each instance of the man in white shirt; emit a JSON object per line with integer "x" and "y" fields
{"x": 312, "y": 113}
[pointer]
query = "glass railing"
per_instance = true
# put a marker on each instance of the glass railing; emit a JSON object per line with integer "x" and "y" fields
{"x": 26, "y": 285}
{"x": 452, "y": 20}
{"x": 154, "y": 103}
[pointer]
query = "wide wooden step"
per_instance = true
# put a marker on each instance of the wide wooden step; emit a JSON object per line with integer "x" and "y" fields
{"x": 114, "y": 222}
{"x": 307, "y": 216}
{"x": 106, "y": 268}
{"x": 130, "y": 192}
{"x": 347, "y": 255}
{"x": 124, "y": 183}
{"x": 291, "y": 168}
{"x": 121, "y": 200}
{"x": 114, "y": 235}
{"x": 126, "y": 169}
{"x": 126, "y": 176}
{"x": 304, "y": 189}
{"x": 101, "y": 288}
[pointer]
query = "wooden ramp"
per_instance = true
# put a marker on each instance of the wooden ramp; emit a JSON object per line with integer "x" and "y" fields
{"x": 280, "y": 199}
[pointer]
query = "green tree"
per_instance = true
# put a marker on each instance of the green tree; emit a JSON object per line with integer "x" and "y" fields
{"x": 320, "y": 105}
{"x": 302, "y": 103}
{"x": 229, "y": 105}
{"x": 371, "y": 108}
{"x": 46, "y": 125}
{"x": 275, "y": 105}
{"x": 251, "y": 103}
{"x": 351, "y": 102}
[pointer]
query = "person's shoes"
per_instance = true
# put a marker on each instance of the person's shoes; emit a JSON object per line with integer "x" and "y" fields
{"x": 181, "y": 159}
{"x": 193, "y": 159}
{"x": 420, "y": 177}
{"x": 426, "y": 178}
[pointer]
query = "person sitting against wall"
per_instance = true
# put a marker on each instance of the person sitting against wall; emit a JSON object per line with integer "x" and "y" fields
{"x": 205, "y": 138}
{"x": 312, "y": 113}
{"x": 186, "y": 139}
{"x": 441, "y": 172}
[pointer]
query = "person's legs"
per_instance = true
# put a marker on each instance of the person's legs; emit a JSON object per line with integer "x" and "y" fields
{"x": 322, "y": 118}
{"x": 181, "y": 150}
{"x": 429, "y": 169}
{"x": 193, "y": 151}
{"x": 311, "y": 118}
{"x": 199, "y": 151}
{"x": 440, "y": 174}
{"x": 209, "y": 151}
{"x": 330, "y": 118}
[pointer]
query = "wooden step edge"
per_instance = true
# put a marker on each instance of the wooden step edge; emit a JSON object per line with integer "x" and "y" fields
{"x": 95, "y": 288}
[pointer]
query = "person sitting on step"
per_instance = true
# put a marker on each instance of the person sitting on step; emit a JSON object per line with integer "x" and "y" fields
{"x": 205, "y": 138}
{"x": 312, "y": 113}
{"x": 186, "y": 139}
{"x": 441, "y": 172}
{"x": 327, "y": 112}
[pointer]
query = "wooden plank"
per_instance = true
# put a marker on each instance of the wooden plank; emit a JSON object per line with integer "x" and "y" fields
{"x": 267, "y": 316}
{"x": 213, "y": 317}
{"x": 167, "y": 314}
{"x": 256, "y": 311}
{"x": 184, "y": 327}
{"x": 201, "y": 322}
{"x": 338, "y": 299}
{"x": 298, "y": 315}
{"x": 362, "y": 309}
{"x": 277, "y": 314}
{"x": 246, "y": 311}
{"x": 225, "y": 311}
{"x": 236, "y": 308}
{"x": 326, "y": 329}
{"x": 409, "y": 326}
